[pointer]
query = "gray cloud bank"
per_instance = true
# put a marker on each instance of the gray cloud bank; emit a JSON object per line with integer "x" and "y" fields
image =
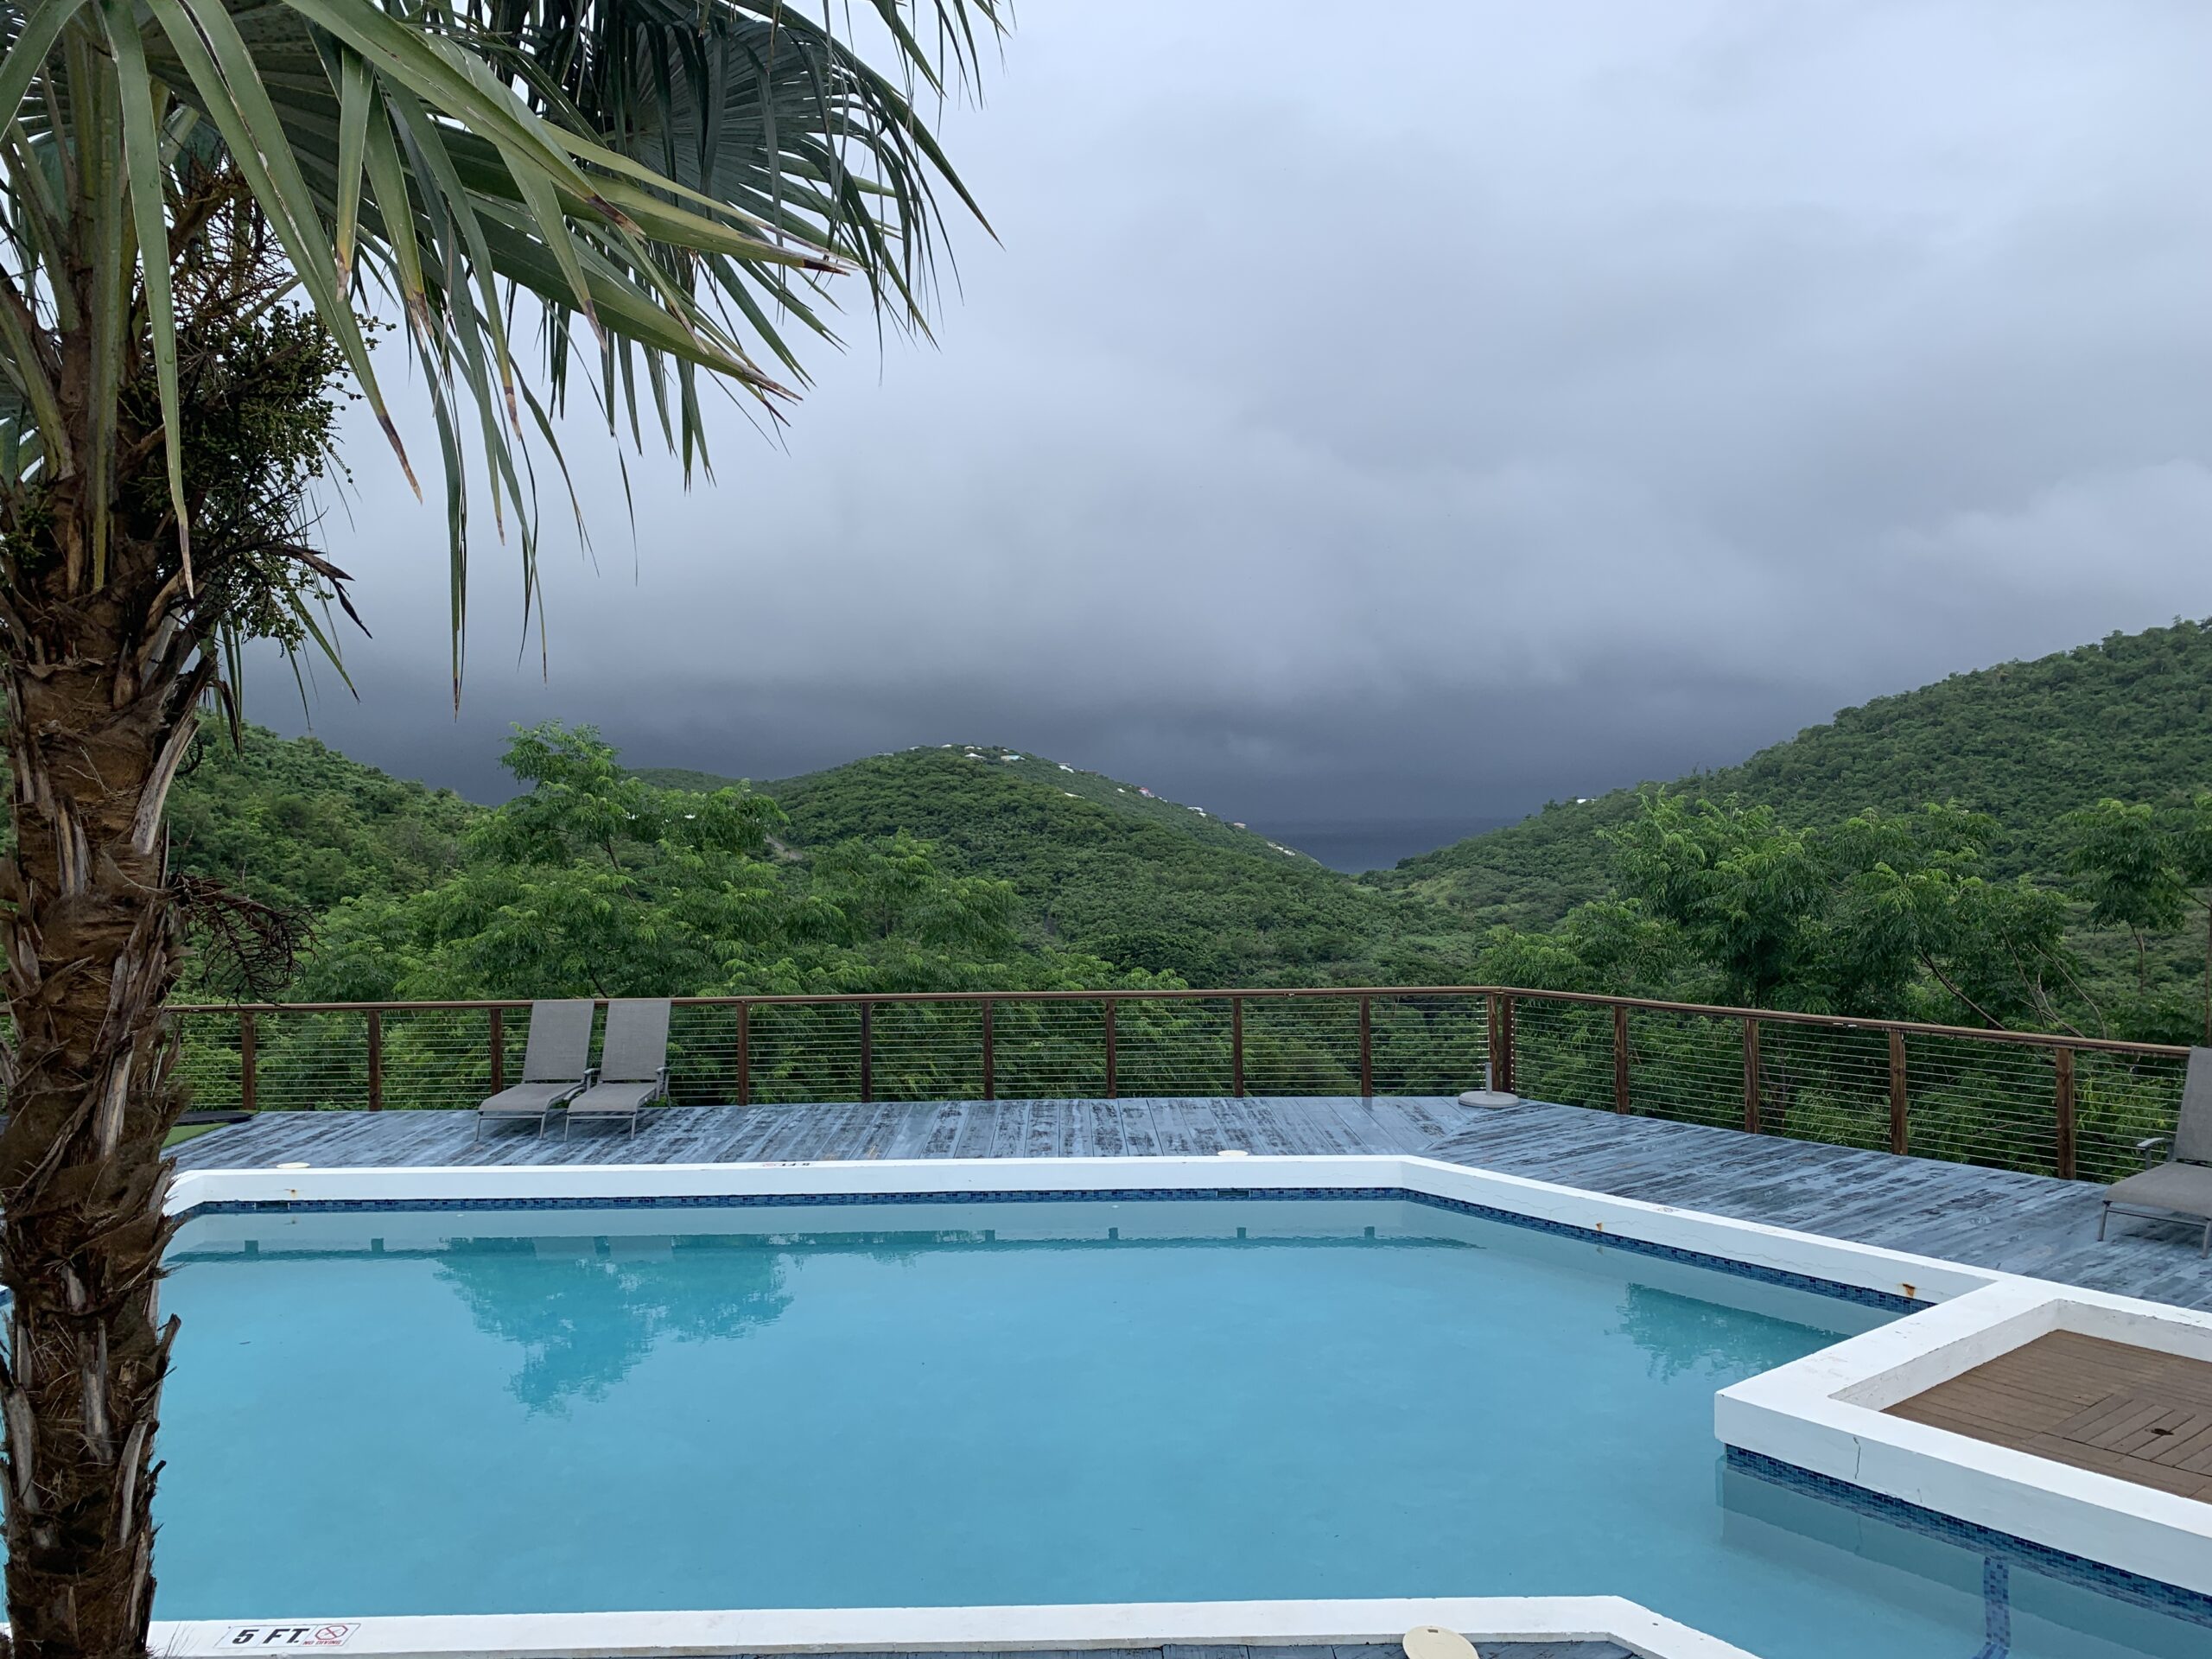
{"x": 1419, "y": 418}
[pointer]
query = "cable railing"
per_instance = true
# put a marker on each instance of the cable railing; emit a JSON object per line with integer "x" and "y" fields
{"x": 2048, "y": 1103}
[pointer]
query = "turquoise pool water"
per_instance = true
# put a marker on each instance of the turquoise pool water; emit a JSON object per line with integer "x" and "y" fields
{"x": 900, "y": 1404}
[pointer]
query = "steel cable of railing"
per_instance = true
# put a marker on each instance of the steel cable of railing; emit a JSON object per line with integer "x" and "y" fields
{"x": 2038, "y": 1102}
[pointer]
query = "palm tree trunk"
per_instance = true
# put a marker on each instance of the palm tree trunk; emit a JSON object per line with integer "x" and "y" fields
{"x": 98, "y": 714}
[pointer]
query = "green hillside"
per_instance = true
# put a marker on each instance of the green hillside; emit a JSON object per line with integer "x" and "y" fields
{"x": 1133, "y": 801}
{"x": 1099, "y": 871}
{"x": 2024, "y": 742}
{"x": 1102, "y": 866}
{"x": 293, "y": 823}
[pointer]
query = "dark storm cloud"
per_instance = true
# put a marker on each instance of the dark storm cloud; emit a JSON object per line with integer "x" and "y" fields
{"x": 1426, "y": 421}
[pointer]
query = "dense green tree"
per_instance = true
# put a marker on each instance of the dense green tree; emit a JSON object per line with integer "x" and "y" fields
{"x": 2146, "y": 868}
{"x": 1742, "y": 890}
{"x": 294, "y": 824}
{"x": 2192, "y": 834}
{"x": 592, "y": 882}
{"x": 1885, "y": 915}
{"x": 2126, "y": 864}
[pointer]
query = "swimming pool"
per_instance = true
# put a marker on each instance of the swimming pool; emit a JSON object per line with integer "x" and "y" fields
{"x": 943, "y": 1403}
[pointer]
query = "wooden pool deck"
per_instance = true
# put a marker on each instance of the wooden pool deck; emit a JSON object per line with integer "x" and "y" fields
{"x": 1995, "y": 1218}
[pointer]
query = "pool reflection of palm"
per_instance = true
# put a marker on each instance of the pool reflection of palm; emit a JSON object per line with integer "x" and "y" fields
{"x": 1688, "y": 1336}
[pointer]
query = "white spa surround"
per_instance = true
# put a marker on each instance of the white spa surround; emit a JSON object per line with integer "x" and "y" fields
{"x": 1823, "y": 1413}
{"x": 1827, "y": 1413}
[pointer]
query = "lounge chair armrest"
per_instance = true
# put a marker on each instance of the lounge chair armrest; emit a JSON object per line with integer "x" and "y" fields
{"x": 2154, "y": 1143}
{"x": 663, "y": 1082}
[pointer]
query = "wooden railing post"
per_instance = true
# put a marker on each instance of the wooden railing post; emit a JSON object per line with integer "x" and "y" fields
{"x": 246, "y": 1066}
{"x": 867, "y": 1051}
{"x": 2063, "y": 1059}
{"x": 1620, "y": 1058}
{"x": 1113, "y": 1059}
{"x": 1899, "y": 1134}
{"x": 1367, "y": 1048}
{"x": 990, "y": 1052}
{"x": 376, "y": 1059}
{"x": 498, "y": 1050}
{"x": 1505, "y": 1078}
{"x": 744, "y": 1053}
{"x": 1752, "y": 1077}
{"x": 1236, "y": 1046}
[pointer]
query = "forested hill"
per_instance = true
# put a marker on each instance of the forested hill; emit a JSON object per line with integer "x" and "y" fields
{"x": 1099, "y": 865}
{"x": 295, "y": 824}
{"x": 1102, "y": 877}
{"x": 2024, "y": 742}
{"x": 863, "y": 796}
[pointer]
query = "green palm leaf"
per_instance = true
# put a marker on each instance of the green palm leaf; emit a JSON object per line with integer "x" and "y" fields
{"x": 686, "y": 176}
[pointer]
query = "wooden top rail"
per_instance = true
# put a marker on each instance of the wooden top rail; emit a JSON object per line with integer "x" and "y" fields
{"x": 1238, "y": 993}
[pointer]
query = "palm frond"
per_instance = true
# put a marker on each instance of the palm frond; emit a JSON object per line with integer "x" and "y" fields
{"x": 690, "y": 178}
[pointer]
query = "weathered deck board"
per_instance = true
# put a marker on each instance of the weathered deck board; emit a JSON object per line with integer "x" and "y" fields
{"x": 1996, "y": 1218}
{"x": 1990, "y": 1217}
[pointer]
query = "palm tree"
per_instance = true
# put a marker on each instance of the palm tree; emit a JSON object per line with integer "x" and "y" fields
{"x": 206, "y": 205}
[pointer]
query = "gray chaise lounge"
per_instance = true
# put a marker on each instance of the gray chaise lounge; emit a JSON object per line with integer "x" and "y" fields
{"x": 632, "y": 1066}
{"x": 2179, "y": 1189}
{"x": 555, "y": 1066}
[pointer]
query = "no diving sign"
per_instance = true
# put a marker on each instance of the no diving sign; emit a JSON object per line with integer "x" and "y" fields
{"x": 289, "y": 1636}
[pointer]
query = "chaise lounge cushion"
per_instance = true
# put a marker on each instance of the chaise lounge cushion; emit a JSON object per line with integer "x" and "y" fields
{"x": 618, "y": 1099}
{"x": 2185, "y": 1189}
{"x": 528, "y": 1099}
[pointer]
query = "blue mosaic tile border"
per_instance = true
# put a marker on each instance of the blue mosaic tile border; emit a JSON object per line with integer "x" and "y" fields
{"x": 1886, "y": 1301}
{"x": 2155, "y": 1594}
{"x": 1889, "y": 1301}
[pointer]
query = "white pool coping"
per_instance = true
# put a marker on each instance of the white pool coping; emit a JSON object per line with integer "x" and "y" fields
{"x": 924, "y": 1630}
{"x": 1863, "y": 1266}
{"x": 1823, "y": 1413}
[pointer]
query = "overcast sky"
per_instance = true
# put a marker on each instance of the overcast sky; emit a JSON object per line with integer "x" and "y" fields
{"x": 1415, "y": 414}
